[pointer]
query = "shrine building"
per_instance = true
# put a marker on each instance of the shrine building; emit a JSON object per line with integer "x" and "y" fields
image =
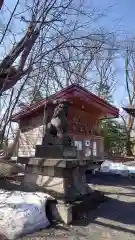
{"x": 85, "y": 114}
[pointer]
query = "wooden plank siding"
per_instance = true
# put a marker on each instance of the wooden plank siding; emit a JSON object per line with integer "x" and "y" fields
{"x": 31, "y": 134}
{"x": 80, "y": 124}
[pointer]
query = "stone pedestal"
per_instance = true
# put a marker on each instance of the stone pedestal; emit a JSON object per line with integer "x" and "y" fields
{"x": 57, "y": 151}
{"x": 62, "y": 179}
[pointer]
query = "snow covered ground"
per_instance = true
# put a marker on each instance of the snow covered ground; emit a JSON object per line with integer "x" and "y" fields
{"x": 22, "y": 213}
{"x": 117, "y": 168}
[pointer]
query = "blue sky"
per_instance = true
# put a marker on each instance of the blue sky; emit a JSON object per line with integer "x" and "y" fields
{"x": 121, "y": 14}
{"x": 120, "y": 18}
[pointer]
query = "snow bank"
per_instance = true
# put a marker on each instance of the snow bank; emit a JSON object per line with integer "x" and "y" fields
{"x": 116, "y": 168}
{"x": 22, "y": 213}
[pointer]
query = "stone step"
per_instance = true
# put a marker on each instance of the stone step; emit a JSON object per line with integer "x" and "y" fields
{"x": 68, "y": 213}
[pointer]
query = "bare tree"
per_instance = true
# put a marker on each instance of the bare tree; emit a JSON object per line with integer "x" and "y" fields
{"x": 1, "y": 3}
{"x": 52, "y": 51}
{"x": 105, "y": 71}
{"x": 130, "y": 93}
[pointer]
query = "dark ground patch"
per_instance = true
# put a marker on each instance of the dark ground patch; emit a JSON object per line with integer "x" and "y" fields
{"x": 112, "y": 220}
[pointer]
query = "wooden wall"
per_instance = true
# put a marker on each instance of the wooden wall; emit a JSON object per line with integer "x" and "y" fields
{"x": 85, "y": 130}
{"x": 80, "y": 125}
{"x": 81, "y": 122}
{"x": 31, "y": 134}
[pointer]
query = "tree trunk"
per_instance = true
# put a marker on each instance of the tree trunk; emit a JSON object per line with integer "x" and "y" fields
{"x": 129, "y": 148}
{"x": 7, "y": 152}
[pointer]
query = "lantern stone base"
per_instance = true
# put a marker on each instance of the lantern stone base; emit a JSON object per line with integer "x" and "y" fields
{"x": 62, "y": 179}
{"x": 57, "y": 151}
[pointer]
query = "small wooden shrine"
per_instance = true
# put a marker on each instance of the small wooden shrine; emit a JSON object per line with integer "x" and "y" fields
{"x": 84, "y": 118}
{"x": 57, "y": 159}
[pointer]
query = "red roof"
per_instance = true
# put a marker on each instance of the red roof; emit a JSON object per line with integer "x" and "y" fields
{"x": 75, "y": 91}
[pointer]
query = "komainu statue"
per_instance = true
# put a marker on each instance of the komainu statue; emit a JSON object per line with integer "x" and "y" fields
{"x": 57, "y": 127}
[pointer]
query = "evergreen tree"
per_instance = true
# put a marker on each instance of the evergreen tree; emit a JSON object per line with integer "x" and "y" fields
{"x": 115, "y": 137}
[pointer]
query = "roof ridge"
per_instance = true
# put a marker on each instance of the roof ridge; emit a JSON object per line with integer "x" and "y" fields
{"x": 61, "y": 93}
